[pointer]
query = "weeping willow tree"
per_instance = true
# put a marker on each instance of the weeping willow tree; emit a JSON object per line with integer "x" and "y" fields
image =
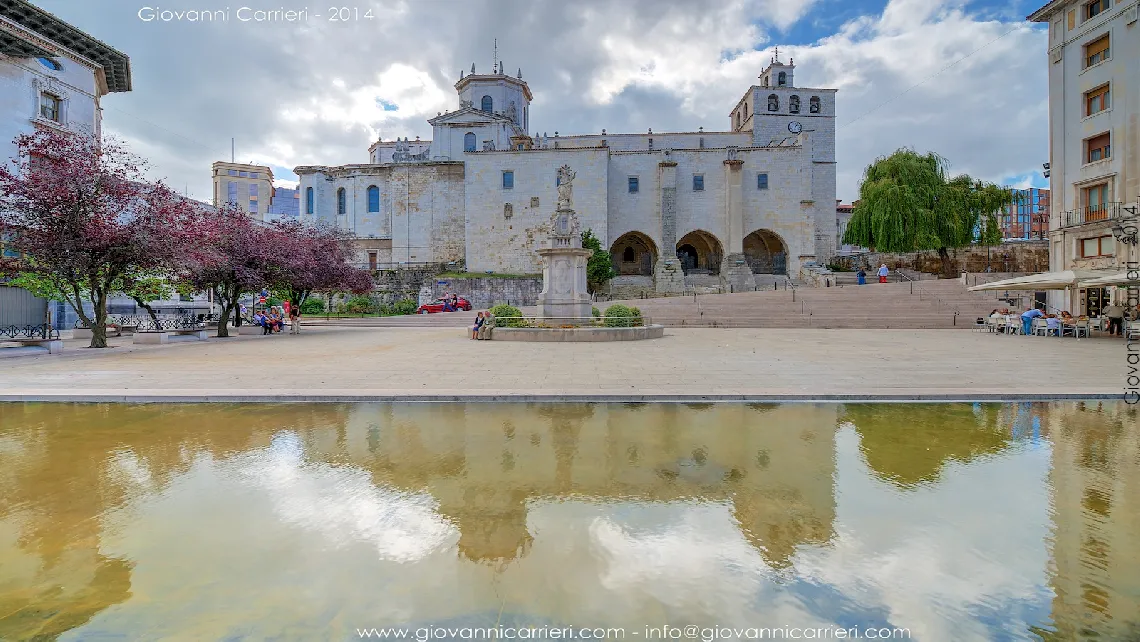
{"x": 907, "y": 204}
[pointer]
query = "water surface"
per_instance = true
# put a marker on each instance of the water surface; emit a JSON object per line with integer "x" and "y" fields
{"x": 309, "y": 522}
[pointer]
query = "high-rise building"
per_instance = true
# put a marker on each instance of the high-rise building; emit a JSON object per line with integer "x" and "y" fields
{"x": 1027, "y": 217}
{"x": 250, "y": 187}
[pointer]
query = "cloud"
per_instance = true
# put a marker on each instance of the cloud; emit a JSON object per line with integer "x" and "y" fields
{"x": 321, "y": 92}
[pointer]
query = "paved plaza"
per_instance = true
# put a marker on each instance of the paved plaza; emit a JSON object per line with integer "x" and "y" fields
{"x": 440, "y": 363}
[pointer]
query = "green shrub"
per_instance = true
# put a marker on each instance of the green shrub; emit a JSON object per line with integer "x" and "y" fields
{"x": 401, "y": 307}
{"x": 618, "y": 316}
{"x": 508, "y": 316}
{"x": 360, "y": 305}
{"x": 637, "y": 320}
{"x": 312, "y": 305}
{"x": 596, "y": 312}
{"x": 274, "y": 301}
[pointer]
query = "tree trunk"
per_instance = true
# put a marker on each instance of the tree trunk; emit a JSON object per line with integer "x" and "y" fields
{"x": 222, "y": 294}
{"x": 947, "y": 263}
{"x": 99, "y": 328}
{"x": 146, "y": 306}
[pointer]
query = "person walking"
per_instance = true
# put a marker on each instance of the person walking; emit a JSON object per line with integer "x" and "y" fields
{"x": 862, "y": 276}
{"x": 1115, "y": 315}
{"x": 295, "y": 320}
{"x": 883, "y": 272}
{"x": 1027, "y": 318}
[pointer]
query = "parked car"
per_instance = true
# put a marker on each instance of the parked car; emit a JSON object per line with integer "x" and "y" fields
{"x": 437, "y": 306}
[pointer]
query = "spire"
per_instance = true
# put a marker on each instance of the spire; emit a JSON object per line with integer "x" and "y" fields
{"x": 777, "y": 56}
{"x": 520, "y": 73}
{"x": 501, "y": 67}
{"x": 495, "y": 57}
{"x": 472, "y": 67}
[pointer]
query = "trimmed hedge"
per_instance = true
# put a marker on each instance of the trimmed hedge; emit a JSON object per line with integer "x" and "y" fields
{"x": 507, "y": 316}
{"x": 618, "y": 316}
{"x": 399, "y": 308}
{"x": 360, "y": 305}
{"x": 637, "y": 320}
{"x": 312, "y": 305}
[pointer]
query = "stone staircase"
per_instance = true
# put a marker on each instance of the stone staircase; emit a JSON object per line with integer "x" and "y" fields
{"x": 927, "y": 304}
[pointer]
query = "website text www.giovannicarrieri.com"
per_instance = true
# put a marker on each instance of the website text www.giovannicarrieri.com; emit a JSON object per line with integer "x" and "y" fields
{"x": 666, "y": 632}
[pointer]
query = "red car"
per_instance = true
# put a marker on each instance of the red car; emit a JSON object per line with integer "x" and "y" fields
{"x": 437, "y": 306}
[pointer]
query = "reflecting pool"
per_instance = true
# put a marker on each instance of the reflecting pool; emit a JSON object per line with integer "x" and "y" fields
{"x": 311, "y": 522}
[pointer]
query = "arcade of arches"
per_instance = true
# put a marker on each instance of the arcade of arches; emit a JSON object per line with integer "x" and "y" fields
{"x": 700, "y": 252}
{"x": 766, "y": 252}
{"x": 634, "y": 254}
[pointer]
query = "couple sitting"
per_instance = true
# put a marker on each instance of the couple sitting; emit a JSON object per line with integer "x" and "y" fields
{"x": 484, "y": 324}
{"x": 270, "y": 322}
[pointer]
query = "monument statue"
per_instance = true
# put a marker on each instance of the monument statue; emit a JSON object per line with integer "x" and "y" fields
{"x": 566, "y": 187}
{"x": 564, "y": 298}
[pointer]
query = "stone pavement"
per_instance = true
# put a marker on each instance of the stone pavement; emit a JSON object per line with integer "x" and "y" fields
{"x": 338, "y": 363}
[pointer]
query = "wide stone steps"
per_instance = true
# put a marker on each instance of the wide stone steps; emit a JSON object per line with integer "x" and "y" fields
{"x": 930, "y": 304}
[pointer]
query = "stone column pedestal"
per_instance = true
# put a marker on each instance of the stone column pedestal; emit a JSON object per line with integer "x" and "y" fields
{"x": 668, "y": 277}
{"x": 736, "y": 275}
{"x": 564, "y": 292}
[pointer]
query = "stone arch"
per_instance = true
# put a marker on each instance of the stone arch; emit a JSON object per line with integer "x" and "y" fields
{"x": 634, "y": 253}
{"x": 766, "y": 252}
{"x": 700, "y": 253}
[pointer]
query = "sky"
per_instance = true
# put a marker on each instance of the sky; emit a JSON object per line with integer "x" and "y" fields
{"x": 963, "y": 78}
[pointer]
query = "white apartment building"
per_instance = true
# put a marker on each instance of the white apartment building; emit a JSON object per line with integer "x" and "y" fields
{"x": 1094, "y": 139}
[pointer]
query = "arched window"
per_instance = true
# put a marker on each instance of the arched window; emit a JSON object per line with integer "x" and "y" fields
{"x": 794, "y": 104}
{"x": 341, "y": 205}
{"x": 745, "y": 111}
{"x": 486, "y": 104}
{"x": 773, "y": 102}
{"x": 308, "y": 200}
{"x": 469, "y": 142}
{"x": 783, "y": 78}
{"x": 373, "y": 198}
{"x": 628, "y": 256}
{"x": 813, "y": 105}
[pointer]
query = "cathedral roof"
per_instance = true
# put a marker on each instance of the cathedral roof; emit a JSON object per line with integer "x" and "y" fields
{"x": 465, "y": 115}
{"x": 494, "y": 79}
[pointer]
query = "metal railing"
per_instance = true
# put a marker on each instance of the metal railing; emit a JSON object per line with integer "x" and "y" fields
{"x": 1092, "y": 214}
{"x": 572, "y": 322}
{"x": 42, "y": 331}
{"x": 924, "y": 294}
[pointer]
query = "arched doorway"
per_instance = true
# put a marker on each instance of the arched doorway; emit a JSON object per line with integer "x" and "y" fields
{"x": 766, "y": 252}
{"x": 634, "y": 253}
{"x": 700, "y": 253}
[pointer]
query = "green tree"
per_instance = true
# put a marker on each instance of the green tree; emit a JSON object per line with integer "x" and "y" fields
{"x": 600, "y": 266}
{"x": 907, "y": 204}
{"x": 143, "y": 288}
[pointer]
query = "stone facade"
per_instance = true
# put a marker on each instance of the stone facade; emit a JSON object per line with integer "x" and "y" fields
{"x": 1094, "y": 137}
{"x": 756, "y": 199}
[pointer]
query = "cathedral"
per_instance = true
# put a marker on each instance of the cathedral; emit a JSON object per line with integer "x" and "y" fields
{"x": 673, "y": 208}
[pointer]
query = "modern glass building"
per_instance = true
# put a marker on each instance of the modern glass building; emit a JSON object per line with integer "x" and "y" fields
{"x": 1028, "y": 216}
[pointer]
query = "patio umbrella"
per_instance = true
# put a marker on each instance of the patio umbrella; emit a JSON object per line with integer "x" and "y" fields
{"x": 1062, "y": 280}
{"x": 1120, "y": 279}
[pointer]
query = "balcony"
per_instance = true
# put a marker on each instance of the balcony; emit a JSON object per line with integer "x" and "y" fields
{"x": 1092, "y": 214}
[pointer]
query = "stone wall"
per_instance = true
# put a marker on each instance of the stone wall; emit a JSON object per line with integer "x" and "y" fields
{"x": 1021, "y": 257}
{"x": 486, "y": 292}
{"x": 421, "y": 207}
{"x": 506, "y": 226}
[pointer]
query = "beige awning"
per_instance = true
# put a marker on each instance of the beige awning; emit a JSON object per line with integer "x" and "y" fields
{"x": 1120, "y": 279}
{"x": 1045, "y": 281}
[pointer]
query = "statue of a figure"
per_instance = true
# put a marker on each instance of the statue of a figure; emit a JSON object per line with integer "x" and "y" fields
{"x": 513, "y": 113}
{"x": 565, "y": 187}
